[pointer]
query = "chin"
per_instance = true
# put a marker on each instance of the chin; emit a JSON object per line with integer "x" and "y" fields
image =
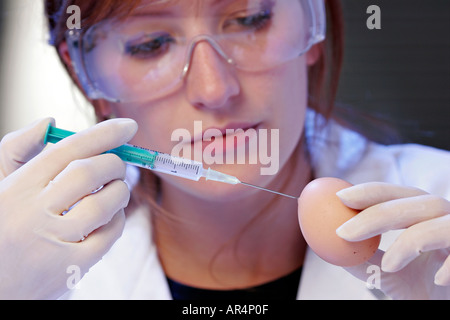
{"x": 246, "y": 173}
{"x": 214, "y": 191}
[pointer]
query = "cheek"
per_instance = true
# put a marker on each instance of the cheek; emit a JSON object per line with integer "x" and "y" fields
{"x": 289, "y": 109}
{"x": 284, "y": 92}
{"x": 155, "y": 125}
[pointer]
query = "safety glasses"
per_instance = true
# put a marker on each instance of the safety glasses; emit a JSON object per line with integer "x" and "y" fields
{"x": 147, "y": 55}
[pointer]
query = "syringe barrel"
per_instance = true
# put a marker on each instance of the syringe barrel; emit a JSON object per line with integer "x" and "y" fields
{"x": 180, "y": 167}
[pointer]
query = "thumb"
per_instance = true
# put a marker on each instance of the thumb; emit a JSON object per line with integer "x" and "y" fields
{"x": 18, "y": 147}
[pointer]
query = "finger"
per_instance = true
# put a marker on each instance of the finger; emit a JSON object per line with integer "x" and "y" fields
{"x": 365, "y": 195}
{"x": 98, "y": 243}
{"x": 393, "y": 215}
{"x": 93, "y": 212}
{"x": 87, "y": 143}
{"x": 18, "y": 147}
{"x": 422, "y": 237}
{"x": 442, "y": 277}
{"x": 81, "y": 178}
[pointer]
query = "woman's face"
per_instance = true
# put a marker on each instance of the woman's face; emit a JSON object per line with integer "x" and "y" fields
{"x": 215, "y": 94}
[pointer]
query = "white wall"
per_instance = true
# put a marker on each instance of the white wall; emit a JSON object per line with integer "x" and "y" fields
{"x": 33, "y": 82}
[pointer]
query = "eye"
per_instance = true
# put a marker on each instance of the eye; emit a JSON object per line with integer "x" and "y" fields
{"x": 256, "y": 21}
{"x": 253, "y": 22}
{"x": 149, "y": 46}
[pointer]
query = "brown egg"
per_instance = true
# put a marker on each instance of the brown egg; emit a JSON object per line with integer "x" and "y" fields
{"x": 321, "y": 212}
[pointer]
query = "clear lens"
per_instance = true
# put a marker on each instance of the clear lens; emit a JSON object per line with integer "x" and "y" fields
{"x": 275, "y": 34}
{"x": 144, "y": 56}
{"x": 131, "y": 66}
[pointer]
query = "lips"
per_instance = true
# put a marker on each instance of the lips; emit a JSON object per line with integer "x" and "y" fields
{"x": 217, "y": 141}
{"x": 209, "y": 133}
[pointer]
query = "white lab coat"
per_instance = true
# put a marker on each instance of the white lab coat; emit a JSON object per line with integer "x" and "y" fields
{"x": 131, "y": 269}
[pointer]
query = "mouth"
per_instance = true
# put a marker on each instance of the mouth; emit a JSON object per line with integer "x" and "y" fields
{"x": 230, "y": 129}
{"x": 232, "y": 135}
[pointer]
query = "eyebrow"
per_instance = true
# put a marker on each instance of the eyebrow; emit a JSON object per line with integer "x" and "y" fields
{"x": 163, "y": 4}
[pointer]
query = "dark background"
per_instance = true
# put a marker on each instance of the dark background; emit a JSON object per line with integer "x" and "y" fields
{"x": 399, "y": 75}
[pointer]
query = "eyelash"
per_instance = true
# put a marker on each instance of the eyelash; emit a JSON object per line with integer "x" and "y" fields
{"x": 158, "y": 44}
{"x": 256, "y": 21}
{"x": 150, "y": 48}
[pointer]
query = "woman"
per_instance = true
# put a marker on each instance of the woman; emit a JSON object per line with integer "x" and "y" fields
{"x": 230, "y": 65}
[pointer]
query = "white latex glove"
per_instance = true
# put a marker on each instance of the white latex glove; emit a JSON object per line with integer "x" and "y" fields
{"x": 38, "y": 244}
{"x": 417, "y": 264}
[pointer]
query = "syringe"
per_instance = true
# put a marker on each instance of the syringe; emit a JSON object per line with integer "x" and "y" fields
{"x": 160, "y": 162}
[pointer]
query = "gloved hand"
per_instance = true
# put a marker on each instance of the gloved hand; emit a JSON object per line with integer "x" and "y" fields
{"x": 38, "y": 244}
{"x": 417, "y": 264}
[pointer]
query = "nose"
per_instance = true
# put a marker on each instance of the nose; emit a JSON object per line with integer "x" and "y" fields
{"x": 210, "y": 79}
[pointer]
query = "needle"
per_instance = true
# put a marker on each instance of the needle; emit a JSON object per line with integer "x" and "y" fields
{"x": 279, "y": 193}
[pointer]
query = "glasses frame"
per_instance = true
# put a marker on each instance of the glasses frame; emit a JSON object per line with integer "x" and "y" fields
{"x": 74, "y": 40}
